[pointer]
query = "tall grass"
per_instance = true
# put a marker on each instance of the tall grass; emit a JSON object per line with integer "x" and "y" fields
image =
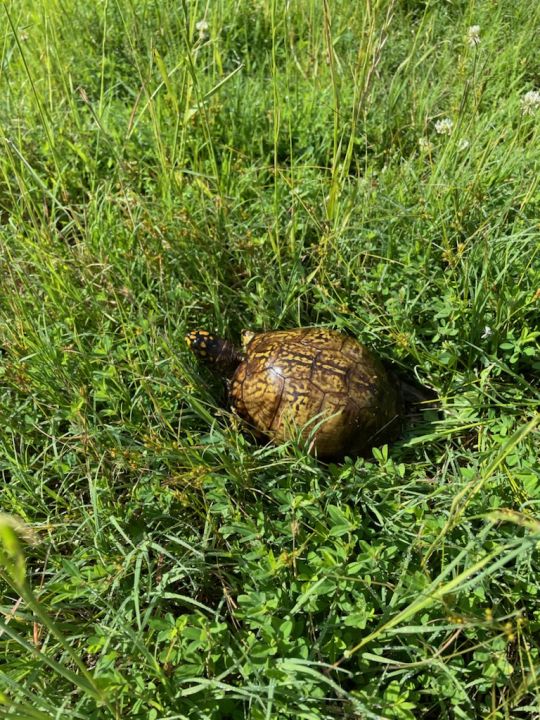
{"x": 165, "y": 166}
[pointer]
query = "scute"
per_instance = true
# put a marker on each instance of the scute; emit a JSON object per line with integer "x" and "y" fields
{"x": 317, "y": 384}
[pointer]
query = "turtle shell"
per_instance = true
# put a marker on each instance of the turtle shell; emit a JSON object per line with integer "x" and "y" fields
{"x": 315, "y": 384}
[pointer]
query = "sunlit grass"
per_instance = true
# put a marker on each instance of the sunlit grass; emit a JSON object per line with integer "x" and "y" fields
{"x": 167, "y": 166}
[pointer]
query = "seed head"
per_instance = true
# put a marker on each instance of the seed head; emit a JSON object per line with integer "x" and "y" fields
{"x": 425, "y": 145}
{"x": 530, "y": 102}
{"x": 444, "y": 126}
{"x": 202, "y": 27}
{"x": 473, "y": 35}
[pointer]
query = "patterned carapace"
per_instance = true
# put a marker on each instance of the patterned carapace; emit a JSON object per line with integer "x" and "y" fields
{"x": 317, "y": 385}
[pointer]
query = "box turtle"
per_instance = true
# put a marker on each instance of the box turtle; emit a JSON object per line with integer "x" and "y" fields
{"x": 310, "y": 383}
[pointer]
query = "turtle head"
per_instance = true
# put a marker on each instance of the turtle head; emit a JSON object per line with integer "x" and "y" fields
{"x": 216, "y": 352}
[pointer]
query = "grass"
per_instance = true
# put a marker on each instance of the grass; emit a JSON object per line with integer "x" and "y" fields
{"x": 278, "y": 166}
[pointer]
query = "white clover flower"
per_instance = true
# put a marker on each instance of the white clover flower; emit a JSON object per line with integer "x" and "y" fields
{"x": 202, "y": 27}
{"x": 473, "y": 35}
{"x": 487, "y": 332}
{"x": 444, "y": 126}
{"x": 463, "y": 144}
{"x": 424, "y": 144}
{"x": 530, "y": 102}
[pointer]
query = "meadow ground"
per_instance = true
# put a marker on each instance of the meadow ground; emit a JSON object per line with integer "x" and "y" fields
{"x": 369, "y": 166}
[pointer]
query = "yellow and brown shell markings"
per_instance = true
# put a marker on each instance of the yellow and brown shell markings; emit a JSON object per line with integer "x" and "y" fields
{"x": 316, "y": 384}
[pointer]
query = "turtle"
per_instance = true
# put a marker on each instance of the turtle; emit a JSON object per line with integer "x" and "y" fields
{"x": 311, "y": 383}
